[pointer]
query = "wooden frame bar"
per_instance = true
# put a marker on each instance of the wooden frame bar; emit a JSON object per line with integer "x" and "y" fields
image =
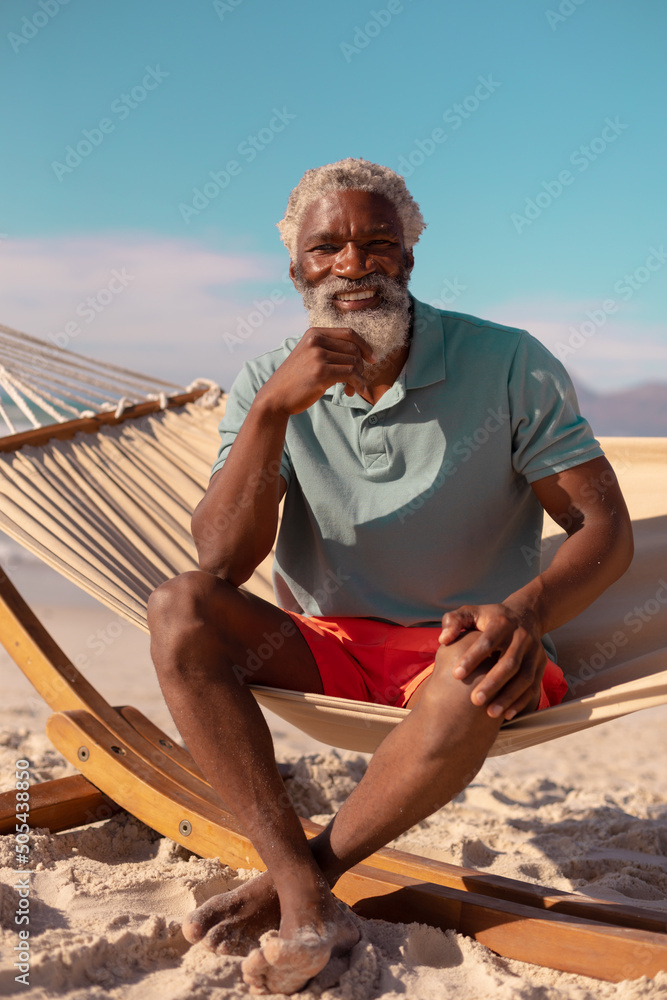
{"x": 91, "y": 425}
{"x": 59, "y": 805}
{"x": 123, "y": 753}
{"x": 571, "y": 944}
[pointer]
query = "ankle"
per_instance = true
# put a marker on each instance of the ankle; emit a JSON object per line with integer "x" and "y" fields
{"x": 305, "y": 883}
{"x": 331, "y": 866}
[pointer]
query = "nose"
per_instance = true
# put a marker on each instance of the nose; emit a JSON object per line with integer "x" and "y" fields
{"x": 353, "y": 262}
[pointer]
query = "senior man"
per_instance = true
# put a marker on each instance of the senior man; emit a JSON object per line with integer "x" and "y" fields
{"x": 416, "y": 450}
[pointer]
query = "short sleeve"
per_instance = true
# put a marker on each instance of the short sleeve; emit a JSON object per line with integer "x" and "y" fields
{"x": 548, "y": 432}
{"x": 239, "y": 401}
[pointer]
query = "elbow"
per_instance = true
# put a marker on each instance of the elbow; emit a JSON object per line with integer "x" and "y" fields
{"x": 224, "y": 552}
{"x": 216, "y": 558}
{"x": 624, "y": 547}
{"x": 218, "y": 564}
{"x": 212, "y": 554}
{"x": 628, "y": 544}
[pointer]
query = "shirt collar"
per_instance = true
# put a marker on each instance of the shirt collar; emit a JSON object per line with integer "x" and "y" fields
{"x": 426, "y": 360}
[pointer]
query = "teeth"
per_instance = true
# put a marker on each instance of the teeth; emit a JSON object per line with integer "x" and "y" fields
{"x": 354, "y": 296}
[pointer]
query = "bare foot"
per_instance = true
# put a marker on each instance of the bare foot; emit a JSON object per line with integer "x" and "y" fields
{"x": 286, "y": 961}
{"x": 229, "y": 922}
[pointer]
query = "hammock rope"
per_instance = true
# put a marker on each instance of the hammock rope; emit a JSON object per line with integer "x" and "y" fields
{"x": 33, "y": 371}
{"x": 111, "y": 511}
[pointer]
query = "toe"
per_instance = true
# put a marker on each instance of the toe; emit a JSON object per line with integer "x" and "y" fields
{"x": 223, "y": 940}
{"x": 291, "y": 964}
{"x": 197, "y": 924}
{"x": 192, "y": 929}
{"x": 254, "y": 969}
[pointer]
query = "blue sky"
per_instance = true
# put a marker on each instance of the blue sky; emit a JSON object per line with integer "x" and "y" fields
{"x": 531, "y": 133}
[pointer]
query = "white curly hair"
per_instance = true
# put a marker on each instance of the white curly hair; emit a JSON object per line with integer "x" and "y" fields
{"x": 350, "y": 175}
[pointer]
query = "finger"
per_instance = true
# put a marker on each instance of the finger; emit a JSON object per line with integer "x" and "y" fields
{"x": 355, "y": 383}
{"x": 455, "y": 622}
{"x": 344, "y": 338}
{"x": 346, "y": 373}
{"x": 508, "y": 665}
{"x": 518, "y": 691}
{"x": 338, "y": 346}
{"x": 332, "y": 356}
{"x": 365, "y": 348}
{"x": 533, "y": 693}
{"x": 496, "y": 638}
{"x": 517, "y": 706}
{"x": 348, "y": 365}
{"x": 359, "y": 388}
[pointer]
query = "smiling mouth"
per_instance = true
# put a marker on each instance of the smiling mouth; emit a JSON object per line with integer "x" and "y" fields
{"x": 369, "y": 293}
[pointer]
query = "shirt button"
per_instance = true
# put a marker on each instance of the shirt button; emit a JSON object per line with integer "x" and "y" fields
{"x": 372, "y": 420}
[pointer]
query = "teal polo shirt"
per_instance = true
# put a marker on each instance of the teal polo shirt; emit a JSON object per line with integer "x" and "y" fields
{"x": 421, "y": 503}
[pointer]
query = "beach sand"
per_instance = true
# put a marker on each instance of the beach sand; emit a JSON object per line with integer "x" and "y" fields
{"x": 585, "y": 813}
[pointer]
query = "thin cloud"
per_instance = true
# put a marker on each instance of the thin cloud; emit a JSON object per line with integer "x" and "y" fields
{"x": 169, "y": 307}
{"x": 604, "y": 352}
{"x": 179, "y": 310}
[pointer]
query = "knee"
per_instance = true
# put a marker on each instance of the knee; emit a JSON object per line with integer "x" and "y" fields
{"x": 445, "y": 692}
{"x": 184, "y": 620}
{"x": 186, "y": 601}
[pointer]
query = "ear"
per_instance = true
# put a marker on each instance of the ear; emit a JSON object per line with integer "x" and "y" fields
{"x": 292, "y": 274}
{"x": 409, "y": 260}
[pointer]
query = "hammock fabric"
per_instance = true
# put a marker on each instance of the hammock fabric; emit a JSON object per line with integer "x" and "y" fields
{"x": 39, "y": 377}
{"x": 111, "y": 512}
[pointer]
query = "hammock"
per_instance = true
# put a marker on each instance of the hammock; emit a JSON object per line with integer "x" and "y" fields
{"x": 107, "y": 502}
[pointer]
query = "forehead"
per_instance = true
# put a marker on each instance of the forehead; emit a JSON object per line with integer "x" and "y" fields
{"x": 349, "y": 214}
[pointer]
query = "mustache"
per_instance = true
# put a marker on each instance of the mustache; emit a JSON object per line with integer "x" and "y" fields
{"x": 377, "y": 282}
{"x": 390, "y": 290}
{"x": 334, "y": 283}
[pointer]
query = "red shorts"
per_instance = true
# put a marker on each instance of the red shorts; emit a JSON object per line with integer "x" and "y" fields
{"x": 368, "y": 660}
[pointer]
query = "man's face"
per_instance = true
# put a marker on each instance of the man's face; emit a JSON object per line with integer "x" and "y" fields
{"x": 352, "y": 268}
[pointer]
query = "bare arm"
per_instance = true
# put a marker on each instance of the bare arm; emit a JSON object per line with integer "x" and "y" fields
{"x": 588, "y": 503}
{"x": 234, "y": 526}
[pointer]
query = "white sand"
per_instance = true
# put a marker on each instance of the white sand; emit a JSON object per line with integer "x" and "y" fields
{"x": 587, "y": 813}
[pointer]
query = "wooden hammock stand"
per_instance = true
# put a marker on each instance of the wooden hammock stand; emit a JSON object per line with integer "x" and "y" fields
{"x": 126, "y": 762}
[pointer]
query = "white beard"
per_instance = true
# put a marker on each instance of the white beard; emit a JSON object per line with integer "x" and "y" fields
{"x": 385, "y": 328}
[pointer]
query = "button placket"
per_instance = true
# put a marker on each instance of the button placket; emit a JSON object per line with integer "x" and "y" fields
{"x": 372, "y": 434}
{"x": 372, "y": 441}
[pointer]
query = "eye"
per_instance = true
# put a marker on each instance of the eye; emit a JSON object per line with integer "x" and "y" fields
{"x": 326, "y": 247}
